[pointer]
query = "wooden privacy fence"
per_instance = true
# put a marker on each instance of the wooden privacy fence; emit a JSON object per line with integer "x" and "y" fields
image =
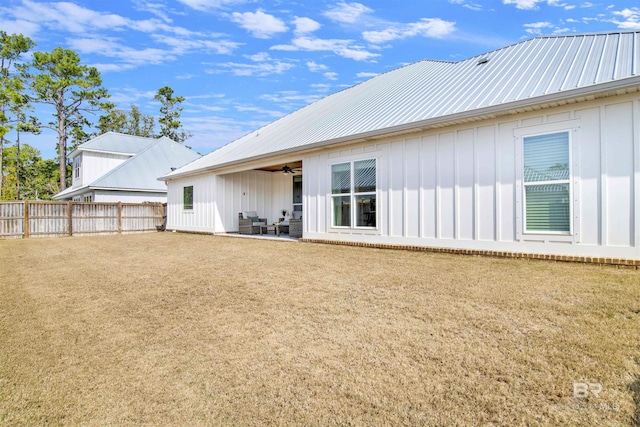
{"x": 55, "y": 219}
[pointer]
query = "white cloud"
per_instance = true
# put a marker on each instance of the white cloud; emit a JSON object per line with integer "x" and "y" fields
{"x": 426, "y": 27}
{"x": 314, "y": 67}
{"x": 157, "y": 9}
{"x": 331, "y": 75}
{"x": 366, "y": 75}
{"x": 322, "y": 87}
{"x": 532, "y": 4}
{"x": 205, "y": 5}
{"x": 254, "y": 109}
{"x": 261, "y": 25}
{"x": 67, "y": 16}
{"x": 539, "y": 28}
{"x": 205, "y": 107}
{"x": 631, "y": 19}
{"x": 347, "y": 13}
{"x": 207, "y": 96}
{"x": 246, "y": 70}
{"x": 291, "y": 98}
{"x": 536, "y": 28}
{"x": 344, "y": 48}
{"x": 259, "y": 57}
{"x": 305, "y": 25}
{"x": 184, "y": 45}
{"x": 129, "y": 95}
{"x": 111, "y": 48}
{"x": 467, "y": 4}
{"x": 26, "y": 28}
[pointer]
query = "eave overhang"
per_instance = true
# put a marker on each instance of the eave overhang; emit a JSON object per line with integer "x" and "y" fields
{"x": 582, "y": 94}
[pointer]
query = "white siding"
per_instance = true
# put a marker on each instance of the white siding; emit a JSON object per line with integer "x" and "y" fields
{"x": 94, "y": 165}
{"x": 218, "y": 199}
{"x": 128, "y": 196}
{"x": 456, "y": 187}
{"x": 461, "y": 187}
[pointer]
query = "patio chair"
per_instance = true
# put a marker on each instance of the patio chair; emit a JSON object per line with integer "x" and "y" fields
{"x": 295, "y": 228}
{"x": 249, "y": 222}
{"x": 295, "y": 225}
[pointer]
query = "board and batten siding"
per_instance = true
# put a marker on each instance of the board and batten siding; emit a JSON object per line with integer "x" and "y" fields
{"x": 96, "y": 164}
{"x": 217, "y": 200}
{"x": 461, "y": 187}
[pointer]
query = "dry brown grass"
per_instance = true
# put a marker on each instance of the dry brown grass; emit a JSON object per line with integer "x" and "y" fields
{"x": 176, "y": 329}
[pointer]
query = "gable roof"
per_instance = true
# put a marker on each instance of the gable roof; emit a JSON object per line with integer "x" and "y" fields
{"x": 114, "y": 142}
{"x": 430, "y": 93}
{"x": 141, "y": 172}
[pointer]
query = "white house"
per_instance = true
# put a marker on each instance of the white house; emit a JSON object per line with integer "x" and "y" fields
{"x": 114, "y": 167}
{"x": 533, "y": 148}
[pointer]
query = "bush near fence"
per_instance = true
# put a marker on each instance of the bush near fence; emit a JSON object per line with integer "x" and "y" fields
{"x": 25, "y": 219}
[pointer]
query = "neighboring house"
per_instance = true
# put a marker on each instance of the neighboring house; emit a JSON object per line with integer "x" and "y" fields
{"x": 532, "y": 148}
{"x": 114, "y": 167}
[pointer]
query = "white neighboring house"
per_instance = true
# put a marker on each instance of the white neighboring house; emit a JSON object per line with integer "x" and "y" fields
{"x": 115, "y": 167}
{"x": 533, "y": 148}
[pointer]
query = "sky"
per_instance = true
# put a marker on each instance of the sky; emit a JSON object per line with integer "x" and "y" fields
{"x": 241, "y": 64}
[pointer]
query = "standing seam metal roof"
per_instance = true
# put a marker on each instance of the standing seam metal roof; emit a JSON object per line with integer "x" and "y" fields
{"x": 140, "y": 172}
{"x": 435, "y": 89}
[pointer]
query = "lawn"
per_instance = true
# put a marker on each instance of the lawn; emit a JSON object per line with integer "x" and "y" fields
{"x": 178, "y": 329}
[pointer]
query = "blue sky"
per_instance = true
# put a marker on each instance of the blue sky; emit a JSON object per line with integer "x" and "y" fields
{"x": 241, "y": 64}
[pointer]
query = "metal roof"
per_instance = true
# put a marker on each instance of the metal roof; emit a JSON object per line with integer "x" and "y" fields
{"x": 141, "y": 172}
{"x": 114, "y": 142}
{"x": 436, "y": 92}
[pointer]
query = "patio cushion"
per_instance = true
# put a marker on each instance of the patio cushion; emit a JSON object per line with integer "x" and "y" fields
{"x": 297, "y": 215}
{"x": 249, "y": 214}
{"x": 258, "y": 223}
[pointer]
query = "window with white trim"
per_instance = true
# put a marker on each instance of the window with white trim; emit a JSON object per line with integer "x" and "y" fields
{"x": 187, "y": 198}
{"x": 77, "y": 164}
{"x": 547, "y": 189}
{"x": 353, "y": 184}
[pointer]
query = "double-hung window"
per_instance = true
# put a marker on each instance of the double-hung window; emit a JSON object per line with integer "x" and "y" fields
{"x": 187, "y": 198}
{"x": 547, "y": 190}
{"x": 353, "y": 194}
{"x": 77, "y": 164}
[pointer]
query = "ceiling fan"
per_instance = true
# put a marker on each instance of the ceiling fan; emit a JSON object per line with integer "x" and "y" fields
{"x": 286, "y": 169}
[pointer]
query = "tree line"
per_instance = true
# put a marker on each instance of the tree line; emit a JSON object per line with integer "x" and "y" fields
{"x": 74, "y": 94}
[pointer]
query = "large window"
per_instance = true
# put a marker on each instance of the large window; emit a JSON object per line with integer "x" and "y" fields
{"x": 547, "y": 195}
{"x": 353, "y": 194}
{"x": 188, "y": 198}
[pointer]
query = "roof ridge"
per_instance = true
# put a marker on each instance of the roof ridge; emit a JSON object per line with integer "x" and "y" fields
{"x": 527, "y": 71}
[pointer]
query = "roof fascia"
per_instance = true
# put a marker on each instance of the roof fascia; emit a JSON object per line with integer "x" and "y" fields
{"x": 139, "y": 190}
{"x": 93, "y": 150}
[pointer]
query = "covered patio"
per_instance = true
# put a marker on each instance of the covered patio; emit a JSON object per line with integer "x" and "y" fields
{"x": 269, "y": 203}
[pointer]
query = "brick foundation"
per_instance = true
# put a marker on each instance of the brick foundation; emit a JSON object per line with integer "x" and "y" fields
{"x": 630, "y": 263}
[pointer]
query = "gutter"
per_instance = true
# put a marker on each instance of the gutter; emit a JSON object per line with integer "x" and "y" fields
{"x": 494, "y": 110}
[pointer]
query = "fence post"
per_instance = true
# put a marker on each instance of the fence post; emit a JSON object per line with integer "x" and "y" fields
{"x": 70, "y": 217}
{"x": 119, "y": 217}
{"x": 25, "y": 227}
